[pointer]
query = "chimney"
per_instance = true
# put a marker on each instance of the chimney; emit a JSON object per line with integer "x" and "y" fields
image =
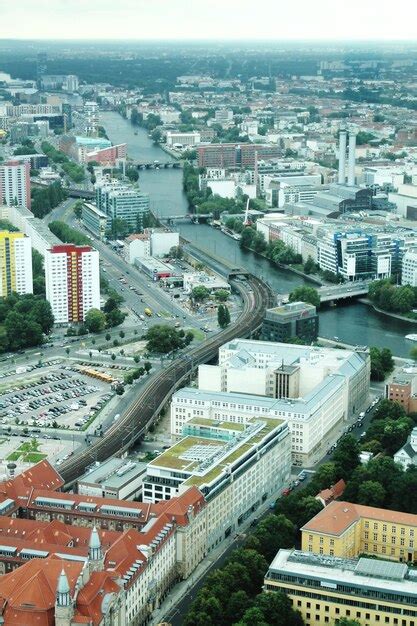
{"x": 342, "y": 157}
{"x": 352, "y": 159}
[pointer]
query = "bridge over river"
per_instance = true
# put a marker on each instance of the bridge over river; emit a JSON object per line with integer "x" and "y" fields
{"x": 332, "y": 293}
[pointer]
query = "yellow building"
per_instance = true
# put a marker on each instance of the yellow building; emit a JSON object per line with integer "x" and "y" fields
{"x": 15, "y": 263}
{"x": 324, "y": 589}
{"x": 346, "y": 530}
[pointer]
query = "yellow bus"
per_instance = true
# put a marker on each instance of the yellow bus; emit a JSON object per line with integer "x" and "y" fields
{"x": 148, "y": 312}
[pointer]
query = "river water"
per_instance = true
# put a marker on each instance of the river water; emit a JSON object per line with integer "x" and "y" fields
{"x": 353, "y": 323}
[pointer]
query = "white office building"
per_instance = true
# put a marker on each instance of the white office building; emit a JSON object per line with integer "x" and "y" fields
{"x": 178, "y": 139}
{"x": 72, "y": 277}
{"x": 237, "y": 467}
{"x": 121, "y": 201}
{"x": 409, "y": 268}
{"x": 313, "y": 389}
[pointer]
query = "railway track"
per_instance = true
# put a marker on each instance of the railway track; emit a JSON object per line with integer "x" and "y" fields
{"x": 135, "y": 421}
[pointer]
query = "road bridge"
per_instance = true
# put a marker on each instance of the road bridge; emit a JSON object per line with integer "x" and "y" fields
{"x": 332, "y": 293}
{"x": 155, "y": 165}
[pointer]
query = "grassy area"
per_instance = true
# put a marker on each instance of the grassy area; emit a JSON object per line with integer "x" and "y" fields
{"x": 199, "y": 335}
{"x": 27, "y": 452}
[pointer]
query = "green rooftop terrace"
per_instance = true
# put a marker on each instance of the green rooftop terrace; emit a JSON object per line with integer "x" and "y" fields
{"x": 171, "y": 459}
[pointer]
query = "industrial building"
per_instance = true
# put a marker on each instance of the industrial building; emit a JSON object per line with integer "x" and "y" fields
{"x": 295, "y": 319}
{"x": 314, "y": 389}
{"x": 325, "y": 589}
{"x": 114, "y": 478}
{"x": 154, "y": 268}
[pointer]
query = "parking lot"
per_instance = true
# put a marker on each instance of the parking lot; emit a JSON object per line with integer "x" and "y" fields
{"x": 59, "y": 397}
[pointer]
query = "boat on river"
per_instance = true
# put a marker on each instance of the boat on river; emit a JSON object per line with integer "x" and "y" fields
{"x": 412, "y": 337}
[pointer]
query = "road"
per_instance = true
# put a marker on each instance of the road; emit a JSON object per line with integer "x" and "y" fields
{"x": 115, "y": 267}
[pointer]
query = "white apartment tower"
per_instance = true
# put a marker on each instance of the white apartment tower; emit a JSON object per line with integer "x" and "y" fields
{"x": 15, "y": 183}
{"x": 72, "y": 282}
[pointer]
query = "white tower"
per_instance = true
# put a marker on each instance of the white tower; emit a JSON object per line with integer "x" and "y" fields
{"x": 342, "y": 157}
{"x": 352, "y": 158}
{"x": 64, "y": 611}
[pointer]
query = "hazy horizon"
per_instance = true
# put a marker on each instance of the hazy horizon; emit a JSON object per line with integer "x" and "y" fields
{"x": 217, "y": 20}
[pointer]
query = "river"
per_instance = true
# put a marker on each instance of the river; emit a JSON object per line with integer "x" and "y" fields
{"x": 353, "y": 323}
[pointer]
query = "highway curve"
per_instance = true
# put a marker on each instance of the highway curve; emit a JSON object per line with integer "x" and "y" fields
{"x": 135, "y": 421}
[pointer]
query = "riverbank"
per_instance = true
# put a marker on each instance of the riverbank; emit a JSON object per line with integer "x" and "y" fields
{"x": 387, "y": 313}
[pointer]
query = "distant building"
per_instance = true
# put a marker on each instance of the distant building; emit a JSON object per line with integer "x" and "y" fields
{"x": 94, "y": 219}
{"x": 15, "y": 183}
{"x": 115, "y": 478}
{"x": 91, "y": 118}
{"x": 402, "y": 388}
{"x": 121, "y": 201}
{"x": 174, "y": 138}
{"x": 70, "y": 83}
{"x": 325, "y": 589}
{"x": 407, "y": 455}
{"x": 72, "y": 277}
{"x": 223, "y": 116}
{"x": 409, "y": 268}
{"x": 15, "y": 264}
{"x": 296, "y": 319}
{"x": 235, "y": 155}
{"x": 153, "y": 242}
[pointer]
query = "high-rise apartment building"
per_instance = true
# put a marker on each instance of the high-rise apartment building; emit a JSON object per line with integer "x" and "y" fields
{"x": 91, "y": 118}
{"x": 72, "y": 281}
{"x": 15, "y": 183}
{"x": 120, "y": 201}
{"x": 15, "y": 264}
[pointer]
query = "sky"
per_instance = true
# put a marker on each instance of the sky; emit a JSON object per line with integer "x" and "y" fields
{"x": 209, "y": 19}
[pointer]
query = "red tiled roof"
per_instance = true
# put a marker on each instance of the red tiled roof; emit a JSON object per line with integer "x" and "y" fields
{"x": 28, "y": 593}
{"x": 91, "y": 595}
{"x": 40, "y": 476}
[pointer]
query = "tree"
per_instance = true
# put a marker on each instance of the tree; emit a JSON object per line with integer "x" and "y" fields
{"x": 132, "y": 174}
{"x": 371, "y": 493}
{"x": 78, "y": 208}
{"x": 305, "y": 294}
{"x": 115, "y": 317}
{"x": 346, "y": 456}
{"x": 108, "y": 336}
{"x": 162, "y": 339}
{"x": 176, "y": 252}
{"x": 388, "y": 408}
{"x": 95, "y": 320}
{"x": 413, "y": 353}
{"x": 223, "y": 316}
{"x": 221, "y": 295}
{"x": 200, "y": 293}
{"x": 122, "y": 334}
{"x": 310, "y": 267}
{"x": 147, "y": 366}
{"x": 272, "y": 533}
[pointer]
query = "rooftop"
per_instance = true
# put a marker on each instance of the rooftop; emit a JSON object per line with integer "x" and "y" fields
{"x": 335, "y": 573}
{"x": 338, "y": 516}
{"x": 205, "y": 459}
{"x": 113, "y": 473}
